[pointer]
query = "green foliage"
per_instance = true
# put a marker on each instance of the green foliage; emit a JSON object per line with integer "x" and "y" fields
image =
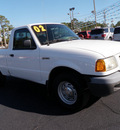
{"x": 67, "y": 24}
{"x": 118, "y": 24}
{"x": 87, "y": 25}
{"x": 5, "y": 28}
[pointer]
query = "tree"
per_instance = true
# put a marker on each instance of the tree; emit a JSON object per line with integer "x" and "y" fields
{"x": 5, "y": 27}
{"x": 67, "y": 24}
{"x": 87, "y": 25}
{"x": 118, "y": 24}
{"x": 112, "y": 25}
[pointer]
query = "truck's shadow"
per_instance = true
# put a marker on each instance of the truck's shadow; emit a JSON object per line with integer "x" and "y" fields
{"x": 27, "y": 96}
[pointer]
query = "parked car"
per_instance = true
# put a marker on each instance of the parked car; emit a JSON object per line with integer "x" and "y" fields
{"x": 102, "y": 33}
{"x": 85, "y": 34}
{"x": 116, "y": 35}
{"x": 2, "y": 47}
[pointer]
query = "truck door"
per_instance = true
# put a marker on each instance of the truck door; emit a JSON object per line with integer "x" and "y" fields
{"x": 23, "y": 60}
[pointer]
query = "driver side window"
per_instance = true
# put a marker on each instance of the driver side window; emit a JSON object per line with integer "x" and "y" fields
{"x": 20, "y": 38}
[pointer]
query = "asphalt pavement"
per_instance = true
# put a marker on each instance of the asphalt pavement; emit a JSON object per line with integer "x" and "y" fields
{"x": 25, "y": 106}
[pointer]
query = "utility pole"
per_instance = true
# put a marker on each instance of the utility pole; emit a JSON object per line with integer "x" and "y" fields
{"x": 112, "y": 22}
{"x": 104, "y": 17}
{"x": 71, "y": 17}
{"x": 85, "y": 24}
{"x": 95, "y": 13}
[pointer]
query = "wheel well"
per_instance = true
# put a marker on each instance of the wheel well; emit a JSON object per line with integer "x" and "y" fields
{"x": 110, "y": 38}
{"x": 60, "y": 70}
{"x": 67, "y": 70}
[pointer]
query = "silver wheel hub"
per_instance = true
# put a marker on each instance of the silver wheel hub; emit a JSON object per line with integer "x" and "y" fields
{"x": 67, "y": 93}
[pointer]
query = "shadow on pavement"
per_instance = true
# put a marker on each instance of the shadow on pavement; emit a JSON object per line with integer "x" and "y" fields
{"x": 31, "y": 97}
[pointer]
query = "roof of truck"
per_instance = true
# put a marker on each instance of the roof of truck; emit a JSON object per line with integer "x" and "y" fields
{"x": 29, "y": 25}
{"x": 42, "y": 23}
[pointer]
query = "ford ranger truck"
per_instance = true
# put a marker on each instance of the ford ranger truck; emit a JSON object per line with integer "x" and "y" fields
{"x": 53, "y": 55}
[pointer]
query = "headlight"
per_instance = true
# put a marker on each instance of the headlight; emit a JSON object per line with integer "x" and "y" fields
{"x": 103, "y": 65}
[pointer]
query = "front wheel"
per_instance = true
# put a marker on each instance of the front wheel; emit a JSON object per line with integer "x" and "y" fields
{"x": 67, "y": 92}
{"x": 70, "y": 91}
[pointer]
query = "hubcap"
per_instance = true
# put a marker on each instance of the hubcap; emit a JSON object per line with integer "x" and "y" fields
{"x": 67, "y": 93}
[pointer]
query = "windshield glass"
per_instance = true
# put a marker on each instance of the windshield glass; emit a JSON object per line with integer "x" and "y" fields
{"x": 52, "y": 33}
{"x": 117, "y": 30}
{"x": 83, "y": 33}
{"x": 97, "y": 31}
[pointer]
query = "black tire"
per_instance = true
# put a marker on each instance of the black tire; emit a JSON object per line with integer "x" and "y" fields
{"x": 2, "y": 80}
{"x": 70, "y": 91}
{"x": 110, "y": 38}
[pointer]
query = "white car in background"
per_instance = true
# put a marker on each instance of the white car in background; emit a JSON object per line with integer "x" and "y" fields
{"x": 105, "y": 33}
{"x": 117, "y": 34}
{"x": 1, "y": 47}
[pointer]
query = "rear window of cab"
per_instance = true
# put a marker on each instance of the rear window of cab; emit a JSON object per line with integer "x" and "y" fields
{"x": 117, "y": 30}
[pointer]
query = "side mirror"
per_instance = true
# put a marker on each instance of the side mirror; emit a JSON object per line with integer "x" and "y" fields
{"x": 27, "y": 43}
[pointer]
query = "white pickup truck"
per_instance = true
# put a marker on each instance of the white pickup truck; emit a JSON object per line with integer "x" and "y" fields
{"x": 53, "y": 55}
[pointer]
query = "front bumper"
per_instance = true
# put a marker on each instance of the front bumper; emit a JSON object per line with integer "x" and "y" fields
{"x": 103, "y": 86}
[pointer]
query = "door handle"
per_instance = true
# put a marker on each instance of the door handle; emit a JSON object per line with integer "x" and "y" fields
{"x": 12, "y": 55}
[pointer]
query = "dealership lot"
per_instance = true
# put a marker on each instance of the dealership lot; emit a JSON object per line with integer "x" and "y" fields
{"x": 26, "y": 106}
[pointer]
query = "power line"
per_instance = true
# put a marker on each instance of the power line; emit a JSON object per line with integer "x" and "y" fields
{"x": 106, "y": 15}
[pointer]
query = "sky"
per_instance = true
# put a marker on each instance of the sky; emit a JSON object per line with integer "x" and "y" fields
{"x": 22, "y": 12}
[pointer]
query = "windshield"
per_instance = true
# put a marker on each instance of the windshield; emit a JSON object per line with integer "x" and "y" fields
{"x": 52, "y": 33}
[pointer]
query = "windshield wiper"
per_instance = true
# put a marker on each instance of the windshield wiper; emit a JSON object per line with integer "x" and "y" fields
{"x": 73, "y": 38}
{"x": 60, "y": 40}
{"x": 57, "y": 40}
{"x": 68, "y": 39}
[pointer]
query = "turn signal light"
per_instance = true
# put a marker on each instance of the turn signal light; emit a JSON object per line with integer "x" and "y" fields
{"x": 100, "y": 66}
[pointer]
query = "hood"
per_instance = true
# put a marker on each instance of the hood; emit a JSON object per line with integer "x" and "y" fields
{"x": 103, "y": 47}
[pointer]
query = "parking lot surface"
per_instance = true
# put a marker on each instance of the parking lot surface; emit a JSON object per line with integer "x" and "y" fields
{"x": 26, "y": 106}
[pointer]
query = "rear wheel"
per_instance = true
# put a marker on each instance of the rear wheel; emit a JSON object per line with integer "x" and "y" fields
{"x": 70, "y": 91}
